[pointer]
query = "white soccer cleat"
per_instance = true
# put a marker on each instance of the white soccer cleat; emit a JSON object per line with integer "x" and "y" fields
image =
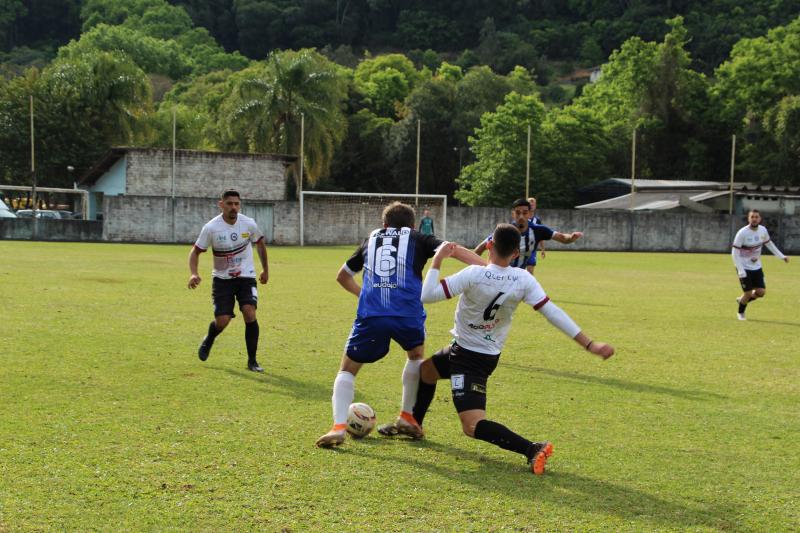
{"x": 741, "y": 316}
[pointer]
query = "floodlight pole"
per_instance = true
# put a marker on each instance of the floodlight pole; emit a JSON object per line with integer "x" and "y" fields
{"x": 733, "y": 165}
{"x": 300, "y": 181}
{"x": 633, "y": 169}
{"x": 174, "y": 147}
{"x": 416, "y": 190}
{"x": 528, "y": 166}
{"x": 33, "y": 162}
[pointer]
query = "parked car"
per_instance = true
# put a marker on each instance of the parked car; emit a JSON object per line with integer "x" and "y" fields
{"x": 40, "y": 213}
{"x": 5, "y": 211}
{"x": 68, "y": 214}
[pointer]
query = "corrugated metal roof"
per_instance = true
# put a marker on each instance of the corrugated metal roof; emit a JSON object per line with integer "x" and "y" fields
{"x": 652, "y": 200}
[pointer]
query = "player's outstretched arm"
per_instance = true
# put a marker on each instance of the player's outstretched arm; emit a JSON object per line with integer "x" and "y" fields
{"x": 467, "y": 256}
{"x": 567, "y": 238}
{"x": 346, "y": 279}
{"x": 194, "y": 259}
{"x": 480, "y": 248}
{"x": 557, "y": 317}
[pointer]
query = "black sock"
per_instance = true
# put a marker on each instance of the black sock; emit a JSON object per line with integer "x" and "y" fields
{"x": 212, "y": 334}
{"x": 499, "y": 435}
{"x": 742, "y": 307}
{"x": 425, "y": 395}
{"x": 251, "y": 339}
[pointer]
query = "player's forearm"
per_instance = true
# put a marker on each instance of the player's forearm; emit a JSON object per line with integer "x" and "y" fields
{"x": 567, "y": 238}
{"x": 348, "y": 282}
{"x": 480, "y": 248}
{"x": 193, "y": 262}
{"x": 561, "y": 320}
{"x": 738, "y": 262}
{"x": 432, "y": 290}
{"x": 261, "y": 248}
{"x": 774, "y": 249}
{"x": 468, "y": 256}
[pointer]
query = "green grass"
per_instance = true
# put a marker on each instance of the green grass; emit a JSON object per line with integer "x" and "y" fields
{"x": 109, "y": 421}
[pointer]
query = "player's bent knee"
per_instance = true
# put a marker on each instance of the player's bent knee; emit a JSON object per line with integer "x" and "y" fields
{"x": 222, "y": 321}
{"x": 760, "y": 293}
{"x": 428, "y": 372}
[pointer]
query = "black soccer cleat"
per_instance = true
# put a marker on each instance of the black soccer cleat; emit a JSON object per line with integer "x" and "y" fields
{"x": 204, "y": 350}
{"x": 253, "y": 366}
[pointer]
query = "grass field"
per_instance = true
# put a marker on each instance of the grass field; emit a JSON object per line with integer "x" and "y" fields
{"x": 108, "y": 421}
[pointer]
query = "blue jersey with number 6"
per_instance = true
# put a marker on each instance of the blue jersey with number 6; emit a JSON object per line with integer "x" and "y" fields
{"x": 392, "y": 260}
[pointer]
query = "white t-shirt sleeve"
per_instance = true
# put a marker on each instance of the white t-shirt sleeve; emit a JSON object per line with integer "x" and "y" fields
{"x": 460, "y": 281}
{"x": 255, "y": 233}
{"x": 738, "y": 260}
{"x": 534, "y": 293}
{"x": 203, "y": 241}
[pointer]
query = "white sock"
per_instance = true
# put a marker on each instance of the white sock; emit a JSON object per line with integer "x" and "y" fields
{"x": 410, "y": 384}
{"x": 344, "y": 388}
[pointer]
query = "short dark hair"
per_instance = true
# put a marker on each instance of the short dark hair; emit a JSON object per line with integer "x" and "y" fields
{"x": 231, "y": 192}
{"x": 398, "y": 215}
{"x": 521, "y": 202}
{"x": 756, "y": 211}
{"x": 505, "y": 239}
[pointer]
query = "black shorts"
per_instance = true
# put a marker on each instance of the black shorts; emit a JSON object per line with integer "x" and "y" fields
{"x": 224, "y": 291}
{"x": 468, "y": 372}
{"x": 753, "y": 279}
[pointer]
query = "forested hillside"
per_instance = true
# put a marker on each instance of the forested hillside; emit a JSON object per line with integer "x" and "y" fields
{"x": 238, "y": 74}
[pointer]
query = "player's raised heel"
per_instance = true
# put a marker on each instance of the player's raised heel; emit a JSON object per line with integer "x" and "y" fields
{"x": 204, "y": 350}
{"x": 404, "y": 425}
{"x": 332, "y": 438}
{"x": 539, "y": 459}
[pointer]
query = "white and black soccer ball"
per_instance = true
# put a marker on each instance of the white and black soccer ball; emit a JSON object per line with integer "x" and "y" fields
{"x": 360, "y": 420}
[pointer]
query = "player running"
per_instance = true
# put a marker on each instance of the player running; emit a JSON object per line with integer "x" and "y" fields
{"x": 230, "y": 235}
{"x": 530, "y": 235}
{"x": 489, "y": 296}
{"x": 746, "y": 253}
{"x": 389, "y": 307}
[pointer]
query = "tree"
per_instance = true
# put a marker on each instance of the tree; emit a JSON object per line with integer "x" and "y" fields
{"x": 267, "y": 107}
{"x": 497, "y": 176}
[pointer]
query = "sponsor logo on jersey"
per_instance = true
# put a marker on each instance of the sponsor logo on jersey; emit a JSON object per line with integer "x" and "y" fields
{"x": 457, "y": 381}
{"x": 491, "y": 275}
{"x": 478, "y": 387}
{"x": 222, "y": 237}
{"x": 234, "y": 237}
{"x": 385, "y": 285}
{"x": 245, "y": 235}
{"x": 485, "y": 326}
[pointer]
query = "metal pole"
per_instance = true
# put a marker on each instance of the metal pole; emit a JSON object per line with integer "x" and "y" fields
{"x": 633, "y": 169}
{"x": 416, "y": 190}
{"x": 174, "y": 146}
{"x": 33, "y": 163}
{"x": 733, "y": 164}
{"x": 302, "y": 149}
{"x": 528, "y": 166}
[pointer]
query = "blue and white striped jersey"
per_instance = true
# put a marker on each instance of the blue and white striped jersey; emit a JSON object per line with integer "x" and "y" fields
{"x": 392, "y": 260}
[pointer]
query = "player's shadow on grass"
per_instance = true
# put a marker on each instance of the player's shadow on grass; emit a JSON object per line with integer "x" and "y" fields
{"x": 620, "y": 384}
{"x": 280, "y": 384}
{"x": 514, "y": 481}
{"x": 778, "y": 322}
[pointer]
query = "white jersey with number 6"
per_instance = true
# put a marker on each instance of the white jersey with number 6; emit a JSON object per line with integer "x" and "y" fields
{"x": 489, "y": 296}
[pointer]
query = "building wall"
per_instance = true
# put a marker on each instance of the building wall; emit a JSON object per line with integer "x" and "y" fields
{"x": 42, "y": 229}
{"x": 205, "y": 174}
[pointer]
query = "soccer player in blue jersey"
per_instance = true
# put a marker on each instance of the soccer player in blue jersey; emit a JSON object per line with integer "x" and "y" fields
{"x": 389, "y": 308}
{"x": 530, "y": 235}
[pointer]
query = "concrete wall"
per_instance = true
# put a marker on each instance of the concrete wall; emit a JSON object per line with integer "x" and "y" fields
{"x": 149, "y": 219}
{"x": 29, "y": 229}
{"x": 205, "y": 174}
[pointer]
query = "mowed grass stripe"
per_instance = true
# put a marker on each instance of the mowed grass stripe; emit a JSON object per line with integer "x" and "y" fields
{"x": 109, "y": 421}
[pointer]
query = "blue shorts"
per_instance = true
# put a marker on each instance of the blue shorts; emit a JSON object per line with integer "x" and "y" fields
{"x": 369, "y": 338}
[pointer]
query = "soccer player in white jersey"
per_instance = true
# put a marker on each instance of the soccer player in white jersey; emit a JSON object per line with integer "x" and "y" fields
{"x": 746, "y": 253}
{"x": 489, "y": 296}
{"x": 231, "y": 237}
{"x": 389, "y": 308}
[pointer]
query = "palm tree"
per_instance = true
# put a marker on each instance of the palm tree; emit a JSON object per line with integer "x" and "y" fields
{"x": 269, "y": 104}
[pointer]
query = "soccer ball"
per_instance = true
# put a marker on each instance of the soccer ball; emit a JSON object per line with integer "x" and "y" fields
{"x": 360, "y": 419}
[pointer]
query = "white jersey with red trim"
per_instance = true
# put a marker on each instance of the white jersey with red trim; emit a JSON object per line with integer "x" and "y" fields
{"x": 231, "y": 244}
{"x": 489, "y": 296}
{"x": 747, "y": 247}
